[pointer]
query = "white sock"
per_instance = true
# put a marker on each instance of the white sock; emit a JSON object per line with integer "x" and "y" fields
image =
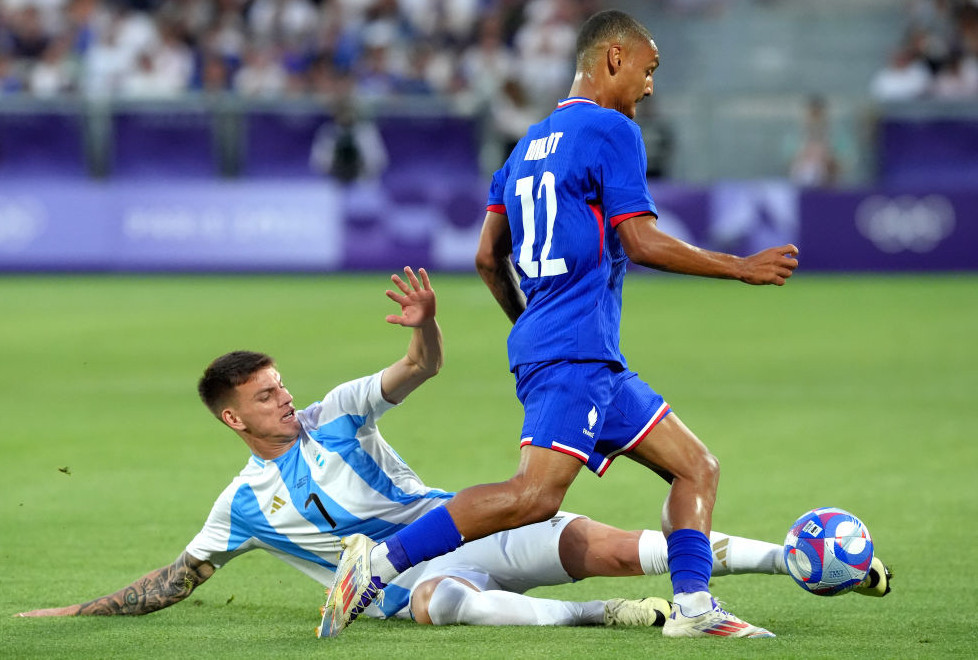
{"x": 735, "y": 554}
{"x": 380, "y": 565}
{"x": 694, "y": 604}
{"x": 731, "y": 554}
{"x": 453, "y": 602}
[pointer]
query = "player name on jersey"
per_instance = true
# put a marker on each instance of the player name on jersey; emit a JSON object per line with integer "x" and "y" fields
{"x": 543, "y": 147}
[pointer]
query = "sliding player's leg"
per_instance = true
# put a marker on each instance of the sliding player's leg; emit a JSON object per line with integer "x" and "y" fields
{"x": 482, "y": 583}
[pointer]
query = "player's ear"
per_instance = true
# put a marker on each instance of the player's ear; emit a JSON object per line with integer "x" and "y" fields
{"x": 614, "y": 58}
{"x": 230, "y": 418}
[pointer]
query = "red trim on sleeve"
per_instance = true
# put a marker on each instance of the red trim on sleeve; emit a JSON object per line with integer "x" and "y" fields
{"x": 618, "y": 219}
{"x": 599, "y": 216}
{"x": 497, "y": 208}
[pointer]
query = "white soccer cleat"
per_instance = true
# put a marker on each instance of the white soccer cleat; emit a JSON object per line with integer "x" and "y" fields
{"x": 713, "y": 623}
{"x": 877, "y": 581}
{"x": 354, "y": 588}
{"x": 651, "y": 611}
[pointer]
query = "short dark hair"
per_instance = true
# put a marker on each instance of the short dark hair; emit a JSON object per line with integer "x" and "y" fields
{"x": 227, "y": 372}
{"x": 610, "y": 25}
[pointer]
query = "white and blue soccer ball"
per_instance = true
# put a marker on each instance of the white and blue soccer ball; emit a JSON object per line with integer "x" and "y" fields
{"x": 828, "y": 551}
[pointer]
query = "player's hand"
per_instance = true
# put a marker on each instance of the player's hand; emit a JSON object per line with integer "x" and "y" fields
{"x": 771, "y": 266}
{"x": 417, "y": 301}
{"x": 71, "y": 610}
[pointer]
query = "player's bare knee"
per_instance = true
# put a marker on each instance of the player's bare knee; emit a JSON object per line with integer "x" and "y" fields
{"x": 421, "y": 598}
{"x": 538, "y": 502}
{"x": 709, "y": 469}
{"x": 529, "y": 502}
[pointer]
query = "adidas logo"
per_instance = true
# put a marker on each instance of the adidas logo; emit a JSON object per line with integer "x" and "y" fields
{"x": 277, "y": 503}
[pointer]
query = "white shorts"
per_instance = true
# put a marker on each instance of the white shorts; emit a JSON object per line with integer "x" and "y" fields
{"x": 515, "y": 560}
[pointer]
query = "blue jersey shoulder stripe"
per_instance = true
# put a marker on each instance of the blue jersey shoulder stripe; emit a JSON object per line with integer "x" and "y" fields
{"x": 247, "y": 521}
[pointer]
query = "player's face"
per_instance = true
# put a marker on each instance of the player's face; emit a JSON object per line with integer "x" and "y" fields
{"x": 263, "y": 408}
{"x": 641, "y": 59}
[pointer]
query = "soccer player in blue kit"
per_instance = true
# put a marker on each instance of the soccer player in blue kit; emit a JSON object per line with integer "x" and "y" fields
{"x": 572, "y": 207}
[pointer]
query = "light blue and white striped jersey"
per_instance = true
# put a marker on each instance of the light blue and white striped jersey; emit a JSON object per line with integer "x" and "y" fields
{"x": 340, "y": 478}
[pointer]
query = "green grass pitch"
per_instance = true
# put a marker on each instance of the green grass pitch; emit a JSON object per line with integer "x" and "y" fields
{"x": 849, "y": 391}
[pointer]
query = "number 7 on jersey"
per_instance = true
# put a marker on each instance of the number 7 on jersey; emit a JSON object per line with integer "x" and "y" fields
{"x": 524, "y": 190}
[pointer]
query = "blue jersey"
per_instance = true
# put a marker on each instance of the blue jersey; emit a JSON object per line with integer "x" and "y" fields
{"x": 566, "y": 186}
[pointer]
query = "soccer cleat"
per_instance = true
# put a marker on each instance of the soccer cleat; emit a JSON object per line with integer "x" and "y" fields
{"x": 877, "y": 581}
{"x": 354, "y": 588}
{"x": 649, "y": 611}
{"x": 713, "y": 623}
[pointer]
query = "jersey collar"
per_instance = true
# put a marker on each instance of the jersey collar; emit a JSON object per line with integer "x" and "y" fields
{"x": 573, "y": 100}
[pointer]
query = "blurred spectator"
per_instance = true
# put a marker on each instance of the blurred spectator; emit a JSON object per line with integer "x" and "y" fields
{"x": 815, "y": 160}
{"x": 281, "y": 21}
{"x": 968, "y": 29}
{"x": 105, "y": 62}
{"x": 488, "y": 63}
{"x": 905, "y": 77}
{"x": 372, "y": 70}
{"x": 933, "y": 26}
{"x": 261, "y": 75}
{"x": 426, "y": 71}
{"x": 349, "y": 148}
{"x": 511, "y": 113}
{"x": 215, "y": 76}
{"x": 10, "y": 80}
{"x": 658, "y": 137}
{"x": 28, "y": 37}
{"x": 157, "y": 74}
{"x": 54, "y": 73}
{"x": 958, "y": 78}
{"x": 545, "y": 45}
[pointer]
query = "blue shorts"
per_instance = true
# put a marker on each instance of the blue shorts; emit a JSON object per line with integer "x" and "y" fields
{"x": 591, "y": 410}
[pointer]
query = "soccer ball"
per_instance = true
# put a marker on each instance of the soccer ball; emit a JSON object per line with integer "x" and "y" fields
{"x": 828, "y": 551}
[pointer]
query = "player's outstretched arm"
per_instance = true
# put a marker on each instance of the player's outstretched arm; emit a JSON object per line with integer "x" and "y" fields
{"x": 154, "y": 591}
{"x": 647, "y": 246}
{"x": 424, "y": 354}
{"x": 494, "y": 266}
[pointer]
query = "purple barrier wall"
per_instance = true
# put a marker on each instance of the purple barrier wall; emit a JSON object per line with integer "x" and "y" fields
{"x": 277, "y": 144}
{"x": 45, "y": 144}
{"x": 929, "y": 152}
{"x": 319, "y": 226}
{"x": 164, "y": 144}
{"x": 189, "y": 226}
{"x": 889, "y": 231}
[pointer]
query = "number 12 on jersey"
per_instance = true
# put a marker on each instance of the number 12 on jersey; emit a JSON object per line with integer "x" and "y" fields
{"x": 546, "y": 267}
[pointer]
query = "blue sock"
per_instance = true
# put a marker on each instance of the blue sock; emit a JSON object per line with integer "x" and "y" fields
{"x": 690, "y": 561}
{"x": 432, "y": 535}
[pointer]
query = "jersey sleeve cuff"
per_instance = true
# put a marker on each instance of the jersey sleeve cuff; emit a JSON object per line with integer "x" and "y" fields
{"x": 618, "y": 219}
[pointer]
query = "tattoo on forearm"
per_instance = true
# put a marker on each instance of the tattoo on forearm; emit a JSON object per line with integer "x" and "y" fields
{"x": 154, "y": 591}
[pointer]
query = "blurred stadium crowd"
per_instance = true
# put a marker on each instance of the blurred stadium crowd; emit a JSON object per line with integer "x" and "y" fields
{"x": 162, "y": 49}
{"x": 937, "y": 56}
